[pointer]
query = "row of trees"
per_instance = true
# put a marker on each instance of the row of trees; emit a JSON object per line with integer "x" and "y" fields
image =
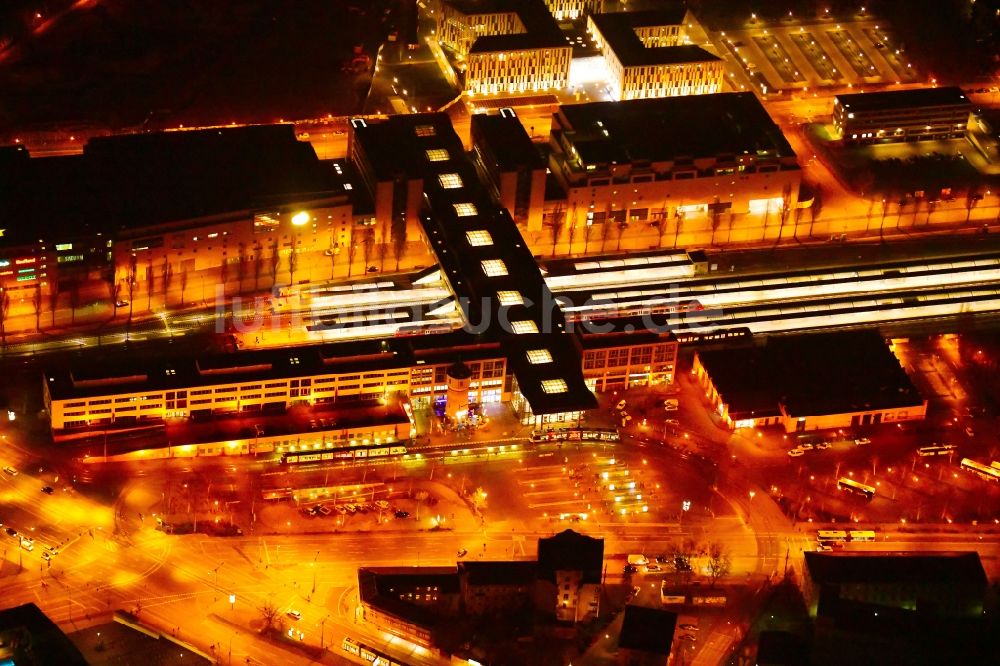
{"x": 681, "y": 558}
{"x": 615, "y": 223}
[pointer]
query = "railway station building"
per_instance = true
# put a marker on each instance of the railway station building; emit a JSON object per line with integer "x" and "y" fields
{"x": 809, "y": 382}
{"x": 649, "y": 54}
{"x": 893, "y": 116}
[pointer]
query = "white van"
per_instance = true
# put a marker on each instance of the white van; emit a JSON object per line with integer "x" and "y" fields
{"x": 27, "y": 544}
{"x": 638, "y": 561}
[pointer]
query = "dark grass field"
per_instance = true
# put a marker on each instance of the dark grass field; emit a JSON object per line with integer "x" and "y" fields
{"x": 129, "y": 63}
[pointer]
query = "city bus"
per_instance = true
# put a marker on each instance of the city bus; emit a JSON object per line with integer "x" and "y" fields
{"x": 862, "y": 535}
{"x": 852, "y": 486}
{"x": 988, "y": 473}
{"x": 831, "y": 535}
{"x": 936, "y": 450}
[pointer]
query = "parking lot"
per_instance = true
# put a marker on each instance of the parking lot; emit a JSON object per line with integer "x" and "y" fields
{"x": 798, "y": 55}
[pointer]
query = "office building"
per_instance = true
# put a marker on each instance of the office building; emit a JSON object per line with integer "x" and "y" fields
{"x": 687, "y": 163}
{"x": 920, "y": 114}
{"x": 504, "y": 46}
{"x": 650, "y": 54}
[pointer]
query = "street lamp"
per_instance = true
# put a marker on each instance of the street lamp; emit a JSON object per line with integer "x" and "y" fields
{"x": 232, "y": 602}
{"x": 301, "y": 219}
{"x": 752, "y": 493}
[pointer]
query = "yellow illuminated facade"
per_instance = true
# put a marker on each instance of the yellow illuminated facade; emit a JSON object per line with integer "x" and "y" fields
{"x": 123, "y": 401}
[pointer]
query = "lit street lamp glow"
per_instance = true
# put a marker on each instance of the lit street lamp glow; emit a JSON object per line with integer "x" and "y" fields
{"x": 301, "y": 218}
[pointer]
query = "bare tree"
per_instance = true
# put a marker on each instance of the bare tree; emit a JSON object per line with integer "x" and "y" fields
{"x": 54, "y": 300}
{"x": 4, "y": 309}
{"x": 678, "y": 223}
{"x": 368, "y": 246}
{"x": 588, "y": 229}
{"x": 270, "y": 615}
{"x": 275, "y": 260}
{"x": 716, "y": 218}
{"x": 332, "y": 252}
{"x": 661, "y": 226}
{"x": 166, "y": 273}
{"x": 149, "y": 285}
{"x": 352, "y": 251}
{"x": 130, "y": 286}
{"x": 184, "y": 281}
{"x": 293, "y": 263}
{"x": 556, "y": 225}
{"x": 620, "y": 228}
{"x": 399, "y": 245}
{"x": 74, "y": 300}
{"x": 382, "y": 251}
{"x": 258, "y": 265}
{"x": 605, "y": 231}
{"x": 241, "y": 267}
{"x": 36, "y": 302}
{"x": 719, "y": 562}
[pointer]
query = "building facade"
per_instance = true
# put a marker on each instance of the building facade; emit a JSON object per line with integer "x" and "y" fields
{"x": 922, "y": 114}
{"x": 504, "y": 46}
{"x": 570, "y": 10}
{"x": 679, "y": 163}
{"x": 649, "y": 54}
{"x": 256, "y": 382}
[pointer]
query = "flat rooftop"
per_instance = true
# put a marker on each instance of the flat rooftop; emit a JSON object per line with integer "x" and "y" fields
{"x": 127, "y": 373}
{"x": 811, "y": 375}
{"x": 665, "y": 129}
{"x": 138, "y": 180}
{"x": 903, "y": 99}
{"x": 507, "y": 140}
{"x": 618, "y": 30}
{"x": 895, "y": 568}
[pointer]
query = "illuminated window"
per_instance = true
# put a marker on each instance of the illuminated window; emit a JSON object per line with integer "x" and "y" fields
{"x": 465, "y": 209}
{"x": 424, "y": 130}
{"x": 479, "y": 238}
{"x": 539, "y": 356}
{"x": 437, "y": 155}
{"x": 450, "y": 181}
{"x": 522, "y": 327}
{"x": 510, "y": 298}
{"x": 554, "y": 385}
{"x": 494, "y": 267}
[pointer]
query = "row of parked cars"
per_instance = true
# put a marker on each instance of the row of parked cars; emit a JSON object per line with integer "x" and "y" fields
{"x": 326, "y": 509}
{"x": 805, "y": 447}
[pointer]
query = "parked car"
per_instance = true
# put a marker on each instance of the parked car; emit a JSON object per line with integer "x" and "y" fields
{"x": 687, "y": 637}
{"x": 670, "y": 405}
{"x": 462, "y": 552}
{"x": 673, "y": 422}
{"x": 629, "y": 569}
{"x": 796, "y": 452}
{"x": 862, "y": 441}
{"x": 294, "y": 614}
{"x": 11, "y": 532}
{"x": 806, "y": 446}
{"x": 621, "y": 405}
{"x": 382, "y": 504}
{"x": 969, "y": 431}
{"x": 823, "y": 446}
{"x": 653, "y": 567}
{"x": 10, "y": 470}
{"x": 47, "y": 490}
{"x": 324, "y": 509}
{"x": 823, "y": 548}
{"x": 402, "y": 514}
